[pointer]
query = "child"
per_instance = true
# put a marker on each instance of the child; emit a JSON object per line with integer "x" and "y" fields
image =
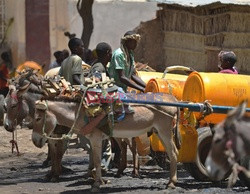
{"x": 99, "y": 66}
{"x": 59, "y": 59}
{"x": 227, "y": 59}
{"x": 71, "y": 68}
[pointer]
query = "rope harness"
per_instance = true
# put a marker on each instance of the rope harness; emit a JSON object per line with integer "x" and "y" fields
{"x": 70, "y": 133}
{"x": 236, "y": 167}
{"x": 14, "y": 143}
{"x": 14, "y": 133}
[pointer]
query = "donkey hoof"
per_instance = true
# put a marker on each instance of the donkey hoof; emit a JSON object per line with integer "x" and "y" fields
{"x": 118, "y": 175}
{"x": 95, "y": 189}
{"x": 171, "y": 185}
{"x": 105, "y": 181}
{"x": 48, "y": 177}
{"x": 46, "y": 163}
{"x": 66, "y": 170}
{"x": 54, "y": 179}
{"x": 136, "y": 175}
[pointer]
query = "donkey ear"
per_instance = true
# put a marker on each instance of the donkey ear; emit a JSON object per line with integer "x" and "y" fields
{"x": 23, "y": 89}
{"x": 236, "y": 114}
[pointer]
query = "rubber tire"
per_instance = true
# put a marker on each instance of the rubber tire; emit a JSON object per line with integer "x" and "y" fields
{"x": 245, "y": 162}
{"x": 197, "y": 168}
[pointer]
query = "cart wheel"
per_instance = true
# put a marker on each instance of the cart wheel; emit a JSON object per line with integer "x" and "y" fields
{"x": 197, "y": 168}
{"x": 245, "y": 162}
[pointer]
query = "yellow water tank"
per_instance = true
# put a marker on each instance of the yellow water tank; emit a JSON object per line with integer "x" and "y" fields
{"x": 171, "y": 84}
{"x": 145, "y": 76}
{"x": 174, "y": 84}
{"x": 219, "y": 88}
{"x": 29, "y": 64}
{"x": 142, "y": 142}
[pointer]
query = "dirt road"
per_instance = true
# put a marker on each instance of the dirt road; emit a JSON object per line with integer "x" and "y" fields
{"x": 25, "y": 174}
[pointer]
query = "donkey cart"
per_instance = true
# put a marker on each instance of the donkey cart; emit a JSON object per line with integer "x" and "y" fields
{"x": 222, "y": 91}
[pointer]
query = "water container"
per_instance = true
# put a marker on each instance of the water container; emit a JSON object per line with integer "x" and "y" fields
{"x": 29, "y": 64}
{"x": 145, "y": 76}
{"x": 171, "y": 84}
{"x": 219, "y": 88}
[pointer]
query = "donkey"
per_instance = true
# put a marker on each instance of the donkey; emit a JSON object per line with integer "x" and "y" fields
{"x": 24, "y": 91}
{"x": 144, "y": 119}
{"x": 231, "y": 142}
{"x": 19, "y": 104}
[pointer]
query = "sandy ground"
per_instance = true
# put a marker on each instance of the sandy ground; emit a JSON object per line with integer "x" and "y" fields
{"x": 25, "y": 174}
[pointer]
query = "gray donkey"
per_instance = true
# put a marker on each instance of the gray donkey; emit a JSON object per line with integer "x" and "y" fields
{"x": 230, "y": 144}
{"x": 19, "y": 103}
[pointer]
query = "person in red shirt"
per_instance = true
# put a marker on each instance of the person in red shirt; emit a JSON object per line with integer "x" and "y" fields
{"x": 227, "y": 60}
{"x": 4, "y": 76}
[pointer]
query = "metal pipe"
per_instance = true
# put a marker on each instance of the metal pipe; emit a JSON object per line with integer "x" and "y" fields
{"x": 195, "y": 107}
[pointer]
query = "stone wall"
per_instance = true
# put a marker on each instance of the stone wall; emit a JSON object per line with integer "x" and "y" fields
{"x": 193, "y": 36}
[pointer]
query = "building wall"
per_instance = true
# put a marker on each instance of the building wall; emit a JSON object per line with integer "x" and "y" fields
{"x": 111, "y": 20}
{"x": 193, "y": 36}
{"x": 16, "y": 34}
{"x": 37, "y": 30}
{"x": 60, "y": 19}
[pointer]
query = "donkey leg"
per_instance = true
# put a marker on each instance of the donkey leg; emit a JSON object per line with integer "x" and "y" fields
{"x": 56, "y": 159}
{"x": 123, "y": 160}
{"x": 47, "y": 162}
{"x": 172, "y": 154}
{"x": 96, "y": 144}
{"x": 65, "y": 147}
{"x": 166, "y": 138}
{"x": 133, "y": 149}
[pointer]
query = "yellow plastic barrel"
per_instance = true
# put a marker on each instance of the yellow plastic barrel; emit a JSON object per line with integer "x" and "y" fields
{"x": 171, "y": 84}
{"x": 142, "y": 142}
{"x": 219, "y": 88}
{"x": 145, "y": 76}
{"x": 29, "y": 64}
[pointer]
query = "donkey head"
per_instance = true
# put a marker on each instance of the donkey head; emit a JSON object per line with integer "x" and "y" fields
{"x": 44, "y": 123}
{"x": 16, "y": 108}
{"x": 227, "y": 144}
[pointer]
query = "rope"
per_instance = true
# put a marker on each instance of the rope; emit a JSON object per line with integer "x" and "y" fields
{"x": 14, "y": 143}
